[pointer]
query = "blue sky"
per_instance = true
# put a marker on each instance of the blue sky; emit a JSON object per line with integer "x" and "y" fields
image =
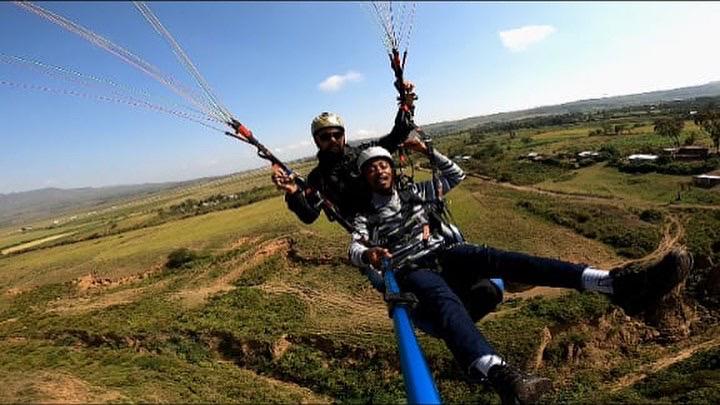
{"x": 267, "y": 63}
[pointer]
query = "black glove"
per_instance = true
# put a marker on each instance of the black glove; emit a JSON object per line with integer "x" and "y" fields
{"x": 404, "y": 123}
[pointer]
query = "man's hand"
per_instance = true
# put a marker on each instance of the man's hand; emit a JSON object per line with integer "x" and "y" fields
{"x": 283, "y": 181}
{"x": 409, "y": 87}
{"x": 415, "y": 144}
{"x": 410, "y": 95}
{"x": 375, "y": 255}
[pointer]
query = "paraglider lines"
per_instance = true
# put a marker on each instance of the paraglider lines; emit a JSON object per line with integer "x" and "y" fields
{"x": 131, "y": 102}
{"x": 183, "y": 58}
{"x": 91, "y": 81}
{"x": 120, "y": 52}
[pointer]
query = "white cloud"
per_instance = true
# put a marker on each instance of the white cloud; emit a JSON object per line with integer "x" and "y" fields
{"x": 519, "y": 39}
{"x": 364, "y": 133}
{"x": 294, "y": 146}
{"x": 337, "y": 82}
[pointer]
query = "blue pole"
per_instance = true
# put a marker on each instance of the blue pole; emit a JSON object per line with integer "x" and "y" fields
{"x": 419, "y": 385}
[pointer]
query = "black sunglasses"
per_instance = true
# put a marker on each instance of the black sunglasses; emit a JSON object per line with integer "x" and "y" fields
{"x": 325, "y": 136}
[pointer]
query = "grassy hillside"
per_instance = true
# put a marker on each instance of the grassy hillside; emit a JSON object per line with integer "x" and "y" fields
{"x": 189, "y": 295}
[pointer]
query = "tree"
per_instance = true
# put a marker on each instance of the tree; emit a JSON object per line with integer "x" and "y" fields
{"x": 709, "y": 121}
{"x": 606, "y": 127}
{"x": 511, "y": 128}
{"x": 669, "y": 127}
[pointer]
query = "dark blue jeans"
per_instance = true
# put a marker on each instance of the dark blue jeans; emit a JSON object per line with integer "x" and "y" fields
{"x": 444, "y": 296}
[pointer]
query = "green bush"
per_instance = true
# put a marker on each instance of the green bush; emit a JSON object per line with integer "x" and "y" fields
{"x": 651, "y": 215}
{"x": 571, "y": 308}
{"x": 670, "y": 167}
{"x": 610, "y": 151}
{"x": 181, "y": 258}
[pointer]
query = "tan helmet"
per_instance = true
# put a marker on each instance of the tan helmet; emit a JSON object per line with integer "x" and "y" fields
{"x": 326, "y": 120}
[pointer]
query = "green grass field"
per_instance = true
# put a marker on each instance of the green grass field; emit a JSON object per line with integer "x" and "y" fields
{"x": 266, "y": 309}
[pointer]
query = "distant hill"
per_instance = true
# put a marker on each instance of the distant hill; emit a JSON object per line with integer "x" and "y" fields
{"x": 16, "y": 208}
{"x": 711, "y": 89}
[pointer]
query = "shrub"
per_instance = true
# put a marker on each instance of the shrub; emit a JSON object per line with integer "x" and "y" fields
{"x": 651, "y": 215}
{"x": 610, "y": 151}
{"x": 218, "y": 202}
{"x": 670, "y": 167}
{"x": 181, "y": 258}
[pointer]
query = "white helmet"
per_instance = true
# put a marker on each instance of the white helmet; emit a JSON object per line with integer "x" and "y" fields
{"x": 372, "y": 153}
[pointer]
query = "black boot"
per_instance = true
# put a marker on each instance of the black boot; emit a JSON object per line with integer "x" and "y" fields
{"x": 639, "y": 286}
{"x": 515, "y": 387}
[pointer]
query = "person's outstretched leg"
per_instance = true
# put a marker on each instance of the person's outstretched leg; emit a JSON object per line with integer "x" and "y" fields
{"x": 451, "y": 321}
{"x": 633, "y": 287}
{"x": 464, "y": 261}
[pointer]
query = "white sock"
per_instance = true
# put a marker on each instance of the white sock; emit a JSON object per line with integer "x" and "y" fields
{"x": 597, "y": 280}
{"x": 486, "y": 362}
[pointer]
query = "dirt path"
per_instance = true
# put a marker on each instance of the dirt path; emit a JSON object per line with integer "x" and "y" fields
{"x": 34, "y": 243}
{"x": 198, "y": 294}
{"x": 663, "y": 363}
{"x": 537, "y": 190}
{"x": 694, "y": 206}
{"x": 673, "y": 232}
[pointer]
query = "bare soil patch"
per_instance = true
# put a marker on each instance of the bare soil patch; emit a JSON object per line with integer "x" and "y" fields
{"x": 197, "y": 295}
{"x": 334, "y": 313}
{"x": 91, "y": 281}
{"x": 245, "y": 240}
{"x": 11, "y": 292}
{"x": 87, "y": 304}
{"x": 53, "y": 387}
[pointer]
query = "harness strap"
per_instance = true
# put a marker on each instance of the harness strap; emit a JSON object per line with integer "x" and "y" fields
{"x": 404, "y": 298}
{"x": 311, "y": 191}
